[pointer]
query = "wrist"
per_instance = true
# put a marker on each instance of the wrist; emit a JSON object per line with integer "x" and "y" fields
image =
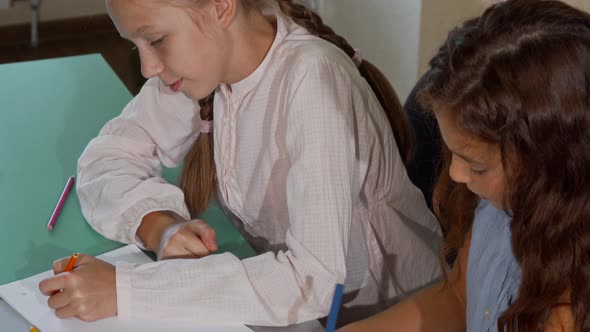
{"x": 152, "y": 227}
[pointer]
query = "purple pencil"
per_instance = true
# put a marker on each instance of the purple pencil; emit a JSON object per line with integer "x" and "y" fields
{"x": 60, "y": 203}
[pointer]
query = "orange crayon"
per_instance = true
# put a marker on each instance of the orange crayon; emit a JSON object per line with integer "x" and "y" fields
{"x": 69, "y": 266}
{"x": 71, "y": 262}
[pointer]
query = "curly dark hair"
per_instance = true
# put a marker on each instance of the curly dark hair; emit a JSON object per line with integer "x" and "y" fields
{"x": 519, "y": 77}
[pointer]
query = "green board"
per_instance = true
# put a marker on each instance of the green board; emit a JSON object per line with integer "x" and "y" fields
{"x": 51, "y": 109}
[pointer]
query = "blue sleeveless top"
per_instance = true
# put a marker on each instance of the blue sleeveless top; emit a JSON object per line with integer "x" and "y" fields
{"x": 493, "y": 274}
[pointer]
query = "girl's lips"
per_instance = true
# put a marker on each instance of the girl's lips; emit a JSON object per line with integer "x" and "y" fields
{"x": 176, "y": 85}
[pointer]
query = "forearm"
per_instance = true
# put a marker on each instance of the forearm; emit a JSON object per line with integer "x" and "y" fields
{"x": 151, "y": 228}
{"x": 436, "y": 308}
{"x": 119, "y": 177}
{"x": 115, "y": 196}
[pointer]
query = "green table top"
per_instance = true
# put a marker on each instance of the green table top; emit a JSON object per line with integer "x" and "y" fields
{"x": 50, "y": 110}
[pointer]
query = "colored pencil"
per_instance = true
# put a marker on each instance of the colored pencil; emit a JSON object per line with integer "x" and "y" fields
{"x": 71, "y": 262}
{"x": 60, "y": 203}
{"x": 333, "y": 316}
{"x": 69, "y": 266}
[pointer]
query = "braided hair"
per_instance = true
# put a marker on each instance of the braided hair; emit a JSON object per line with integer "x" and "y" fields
{"x": 198, "y": 175}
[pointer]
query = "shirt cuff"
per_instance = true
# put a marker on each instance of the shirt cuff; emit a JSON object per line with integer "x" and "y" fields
{"x": 141, "y": 209}
{"x": 123, "y": 286}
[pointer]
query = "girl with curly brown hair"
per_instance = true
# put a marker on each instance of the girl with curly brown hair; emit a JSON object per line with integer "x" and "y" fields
{"x": 511, "y": 93}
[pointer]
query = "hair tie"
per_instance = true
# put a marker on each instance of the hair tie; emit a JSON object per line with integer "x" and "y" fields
{"x": 206, "y": 126}
{"x": 357, "y": 58}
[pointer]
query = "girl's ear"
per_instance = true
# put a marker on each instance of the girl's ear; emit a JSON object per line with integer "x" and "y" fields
{"x": 226, "y": 11}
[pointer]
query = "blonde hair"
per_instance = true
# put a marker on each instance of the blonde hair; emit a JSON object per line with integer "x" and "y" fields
{"x": 198, "y": 175}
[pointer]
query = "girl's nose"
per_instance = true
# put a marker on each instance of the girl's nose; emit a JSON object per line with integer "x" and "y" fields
{"x": 151, "y": 65}
{"x": 459, "y": 171}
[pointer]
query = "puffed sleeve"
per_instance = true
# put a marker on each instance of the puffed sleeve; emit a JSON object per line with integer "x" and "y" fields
{"x": 290, "y": 286}
{"x": 119, "y": 173}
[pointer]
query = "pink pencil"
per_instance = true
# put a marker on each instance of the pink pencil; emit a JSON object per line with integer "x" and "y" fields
{"x": 60, "y": 203}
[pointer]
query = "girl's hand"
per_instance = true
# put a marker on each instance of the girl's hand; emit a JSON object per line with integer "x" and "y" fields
{"x": 169, "y": 237}
{"x": 187, "y": 240}
{"x": 88, "y": 292}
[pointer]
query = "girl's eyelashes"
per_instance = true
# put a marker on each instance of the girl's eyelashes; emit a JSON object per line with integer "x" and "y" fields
{"x": 157, "y": 42}
{"x": 477, "y": 171}
{"x": 154, "y": 43}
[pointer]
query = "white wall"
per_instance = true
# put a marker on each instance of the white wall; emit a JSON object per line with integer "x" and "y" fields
{"x": 386, "y": 31}
{"x": 437, "y": 19}
{"x": 440, "y": 16}
{"x": 398, "y": 36}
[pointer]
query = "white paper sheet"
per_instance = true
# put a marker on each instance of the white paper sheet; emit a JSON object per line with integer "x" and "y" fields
{"x": 24, "y": 296}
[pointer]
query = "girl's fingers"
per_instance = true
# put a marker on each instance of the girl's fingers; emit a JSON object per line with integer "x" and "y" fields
{"x": 205, "y": 232}
{"x": 50, "y": 285}
{"x": 191, "y": 239}
{"x": 62, "y": 280}
{"x": 195, "y": 246}
{"x": 66, "y": 312}
{"x": 60, "y": 264}
{"x": 59, "y": 300}
{"x": 89, "y": 292}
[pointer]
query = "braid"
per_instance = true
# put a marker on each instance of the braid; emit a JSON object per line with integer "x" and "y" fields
{"x": 198, "y": 174}
{"x": 308, "y": 19}
{"x": 385, "y": 93}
